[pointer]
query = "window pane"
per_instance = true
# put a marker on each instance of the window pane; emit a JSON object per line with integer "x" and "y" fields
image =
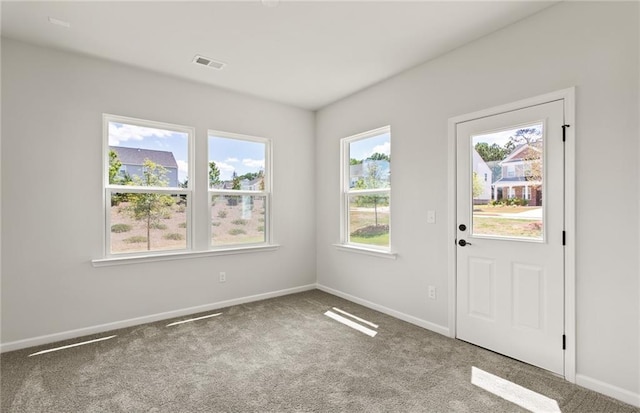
{"x": 148, "y": 222}
{"x": 237, "y": 219}
{"x": 369, "y": 219}
{"x": 147, "y": 156}
{"x": 236, "y": 164}
{"x": 509, "y": 203}
{"x": 370, "y": 162}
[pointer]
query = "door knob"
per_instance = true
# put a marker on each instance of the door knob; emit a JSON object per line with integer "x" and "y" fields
{"x": 462, "y": 243}
{"x": 462, "y": 227}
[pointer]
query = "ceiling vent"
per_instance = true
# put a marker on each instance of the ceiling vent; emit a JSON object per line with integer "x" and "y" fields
{"x": 205, "y": 61}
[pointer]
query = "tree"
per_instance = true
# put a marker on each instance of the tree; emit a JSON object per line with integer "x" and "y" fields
{"x": 214, "y": 174}
{"x": 493, "y": 152}
{"x": 150, "y": 207}
{"x": 478, "y": 186}
{"x": 114, "y": 167}
{"x": 353, "y": 161}
{"x": 379, "y": 157}
{"x": 372, "y": 180}
{"x": 527, "y": 136}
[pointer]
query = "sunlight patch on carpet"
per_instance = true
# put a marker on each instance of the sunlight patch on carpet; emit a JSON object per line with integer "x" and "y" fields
{"x": 70, "y": 346}
{"x": 355, "y": 317}
{"x": 193, "y": 319}
{"x": 351, "y": 324}
{"x": 523, "y": 397}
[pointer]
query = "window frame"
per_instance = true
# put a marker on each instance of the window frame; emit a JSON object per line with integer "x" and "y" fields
{"x": 109, "y": 189}
{"x": 266, "y": 193}
{"x": 346, "y": 192}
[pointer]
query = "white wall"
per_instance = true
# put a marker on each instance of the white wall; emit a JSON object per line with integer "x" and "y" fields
{"x": 52, "y": 211}
{"x": 590, "y": 45}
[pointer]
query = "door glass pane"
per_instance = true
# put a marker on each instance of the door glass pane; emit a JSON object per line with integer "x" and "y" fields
{"x": 507, "y": 183}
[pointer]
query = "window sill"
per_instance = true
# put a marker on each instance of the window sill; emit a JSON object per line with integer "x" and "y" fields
{"x": 136, "y": 259}
{"x": 367, "y": 251}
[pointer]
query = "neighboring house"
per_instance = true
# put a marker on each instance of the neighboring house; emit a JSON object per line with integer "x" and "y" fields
{"x": 521, "y": 175}
{"x": 252, "y": 185}
{"x": 361, "y": 171}
{"x": 485, "y": 175}
{"x": 133, "y": 159}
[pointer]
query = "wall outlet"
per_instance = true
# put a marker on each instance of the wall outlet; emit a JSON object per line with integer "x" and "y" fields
{"x": 432, "y": 292}
{"x": 223, "y": 277}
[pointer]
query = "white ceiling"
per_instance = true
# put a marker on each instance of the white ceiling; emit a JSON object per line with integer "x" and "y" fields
{"x": 306, "y": 54}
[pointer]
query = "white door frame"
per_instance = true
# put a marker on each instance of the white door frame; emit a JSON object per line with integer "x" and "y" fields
{"x": 568, "y": 97}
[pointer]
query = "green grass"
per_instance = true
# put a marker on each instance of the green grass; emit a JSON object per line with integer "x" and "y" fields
{"x": 380, "y": 240}
{"x": 173, "y": 236}
{"x": 138, "y": 239}
{"x": 507, "y": 227}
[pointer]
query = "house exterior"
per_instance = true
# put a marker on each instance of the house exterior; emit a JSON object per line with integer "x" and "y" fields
{"x": 521, "y": 175}
{"x": 485, "y": 175}
{"x": 361, "y": 171}
{"x": 133, "y": 159}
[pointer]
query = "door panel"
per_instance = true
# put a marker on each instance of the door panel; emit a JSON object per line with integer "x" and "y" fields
{"x": 510, "y": 258}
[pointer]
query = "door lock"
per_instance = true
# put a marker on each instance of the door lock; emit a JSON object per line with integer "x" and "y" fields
{"x": 462, "y": 227}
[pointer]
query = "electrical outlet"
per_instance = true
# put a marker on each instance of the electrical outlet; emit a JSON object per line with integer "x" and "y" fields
{"x": 223, "y": 277}
{"x": 432, "y": 292}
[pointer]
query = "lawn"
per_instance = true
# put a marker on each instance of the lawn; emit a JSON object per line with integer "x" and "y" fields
{"x": 362, "y": 217}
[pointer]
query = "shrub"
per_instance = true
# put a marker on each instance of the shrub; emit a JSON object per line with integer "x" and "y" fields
{"x": 182, "y": 225}
{"x": 173, "y": 236}
{"x": 215, "y": 224}
{"x": 261, "y": 219}
{"x": 260, "y": 228}
{"x": 120, "y": 228}
{"x": 157, "y": 225}
{"x": 222, "y": 214}
{"x": 371, "y": 231}
{"x": 137, "y": 239}
{"x": 237, "y": 231}
{"x": 239, "y": 221}
{"x": 181, "y": 208}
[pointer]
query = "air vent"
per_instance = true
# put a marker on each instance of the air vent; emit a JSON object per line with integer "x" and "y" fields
{"x": 205, "y": 61}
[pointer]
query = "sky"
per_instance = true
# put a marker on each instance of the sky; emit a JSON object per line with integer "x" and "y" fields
{"x": 500, "y": 138}
{"x": 236, "y": 155}
{"x": 364, "y": 148}
{"x": 229, "y": 154}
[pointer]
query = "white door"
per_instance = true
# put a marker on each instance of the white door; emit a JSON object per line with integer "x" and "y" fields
{"x": 510, "y": 222}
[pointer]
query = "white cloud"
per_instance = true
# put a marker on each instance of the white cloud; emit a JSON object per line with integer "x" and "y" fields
{"x": 183, "y": 167}
{"x": 385, "y": 148}
{"x": 231, "y": 160}
{"x": 226, "y": 170}
{"x": 124, "y": 132}
{"x": 253, "y": 163}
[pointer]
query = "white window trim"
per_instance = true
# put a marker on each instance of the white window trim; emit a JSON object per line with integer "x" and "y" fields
{"x": 268, "y": 188}
{"x": 108, "y": 188}
{"x": 345, "y": 192}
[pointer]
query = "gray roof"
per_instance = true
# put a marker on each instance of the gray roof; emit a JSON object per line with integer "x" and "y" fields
{"x": 137, "y": 156}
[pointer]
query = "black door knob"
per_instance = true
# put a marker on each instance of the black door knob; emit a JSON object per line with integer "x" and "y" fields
{"x": 462, "y": 227}
{"x": 462, "y": 243}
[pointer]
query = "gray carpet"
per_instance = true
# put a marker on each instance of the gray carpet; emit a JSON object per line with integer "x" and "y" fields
{"x": 277, "y": 355}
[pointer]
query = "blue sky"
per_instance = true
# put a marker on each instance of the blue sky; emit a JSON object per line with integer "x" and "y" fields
{"x": 236, "y": 155}
{"x": 229, "y": 154}
{"x": 364, "y": 148}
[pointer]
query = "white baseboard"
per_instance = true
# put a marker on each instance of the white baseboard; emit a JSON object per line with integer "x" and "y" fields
{"x": 608, "y": 390}
{"x": 393, "y": 313}
{"x": 65, "y": 335}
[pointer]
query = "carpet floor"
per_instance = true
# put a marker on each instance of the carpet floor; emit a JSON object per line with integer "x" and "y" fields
{"x": 282, "y": 355}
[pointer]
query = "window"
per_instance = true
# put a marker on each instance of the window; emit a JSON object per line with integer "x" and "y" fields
{"x": 239, "y": 189}
{"x": 366, "y": 192}
{"x": 147, "y": 192}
